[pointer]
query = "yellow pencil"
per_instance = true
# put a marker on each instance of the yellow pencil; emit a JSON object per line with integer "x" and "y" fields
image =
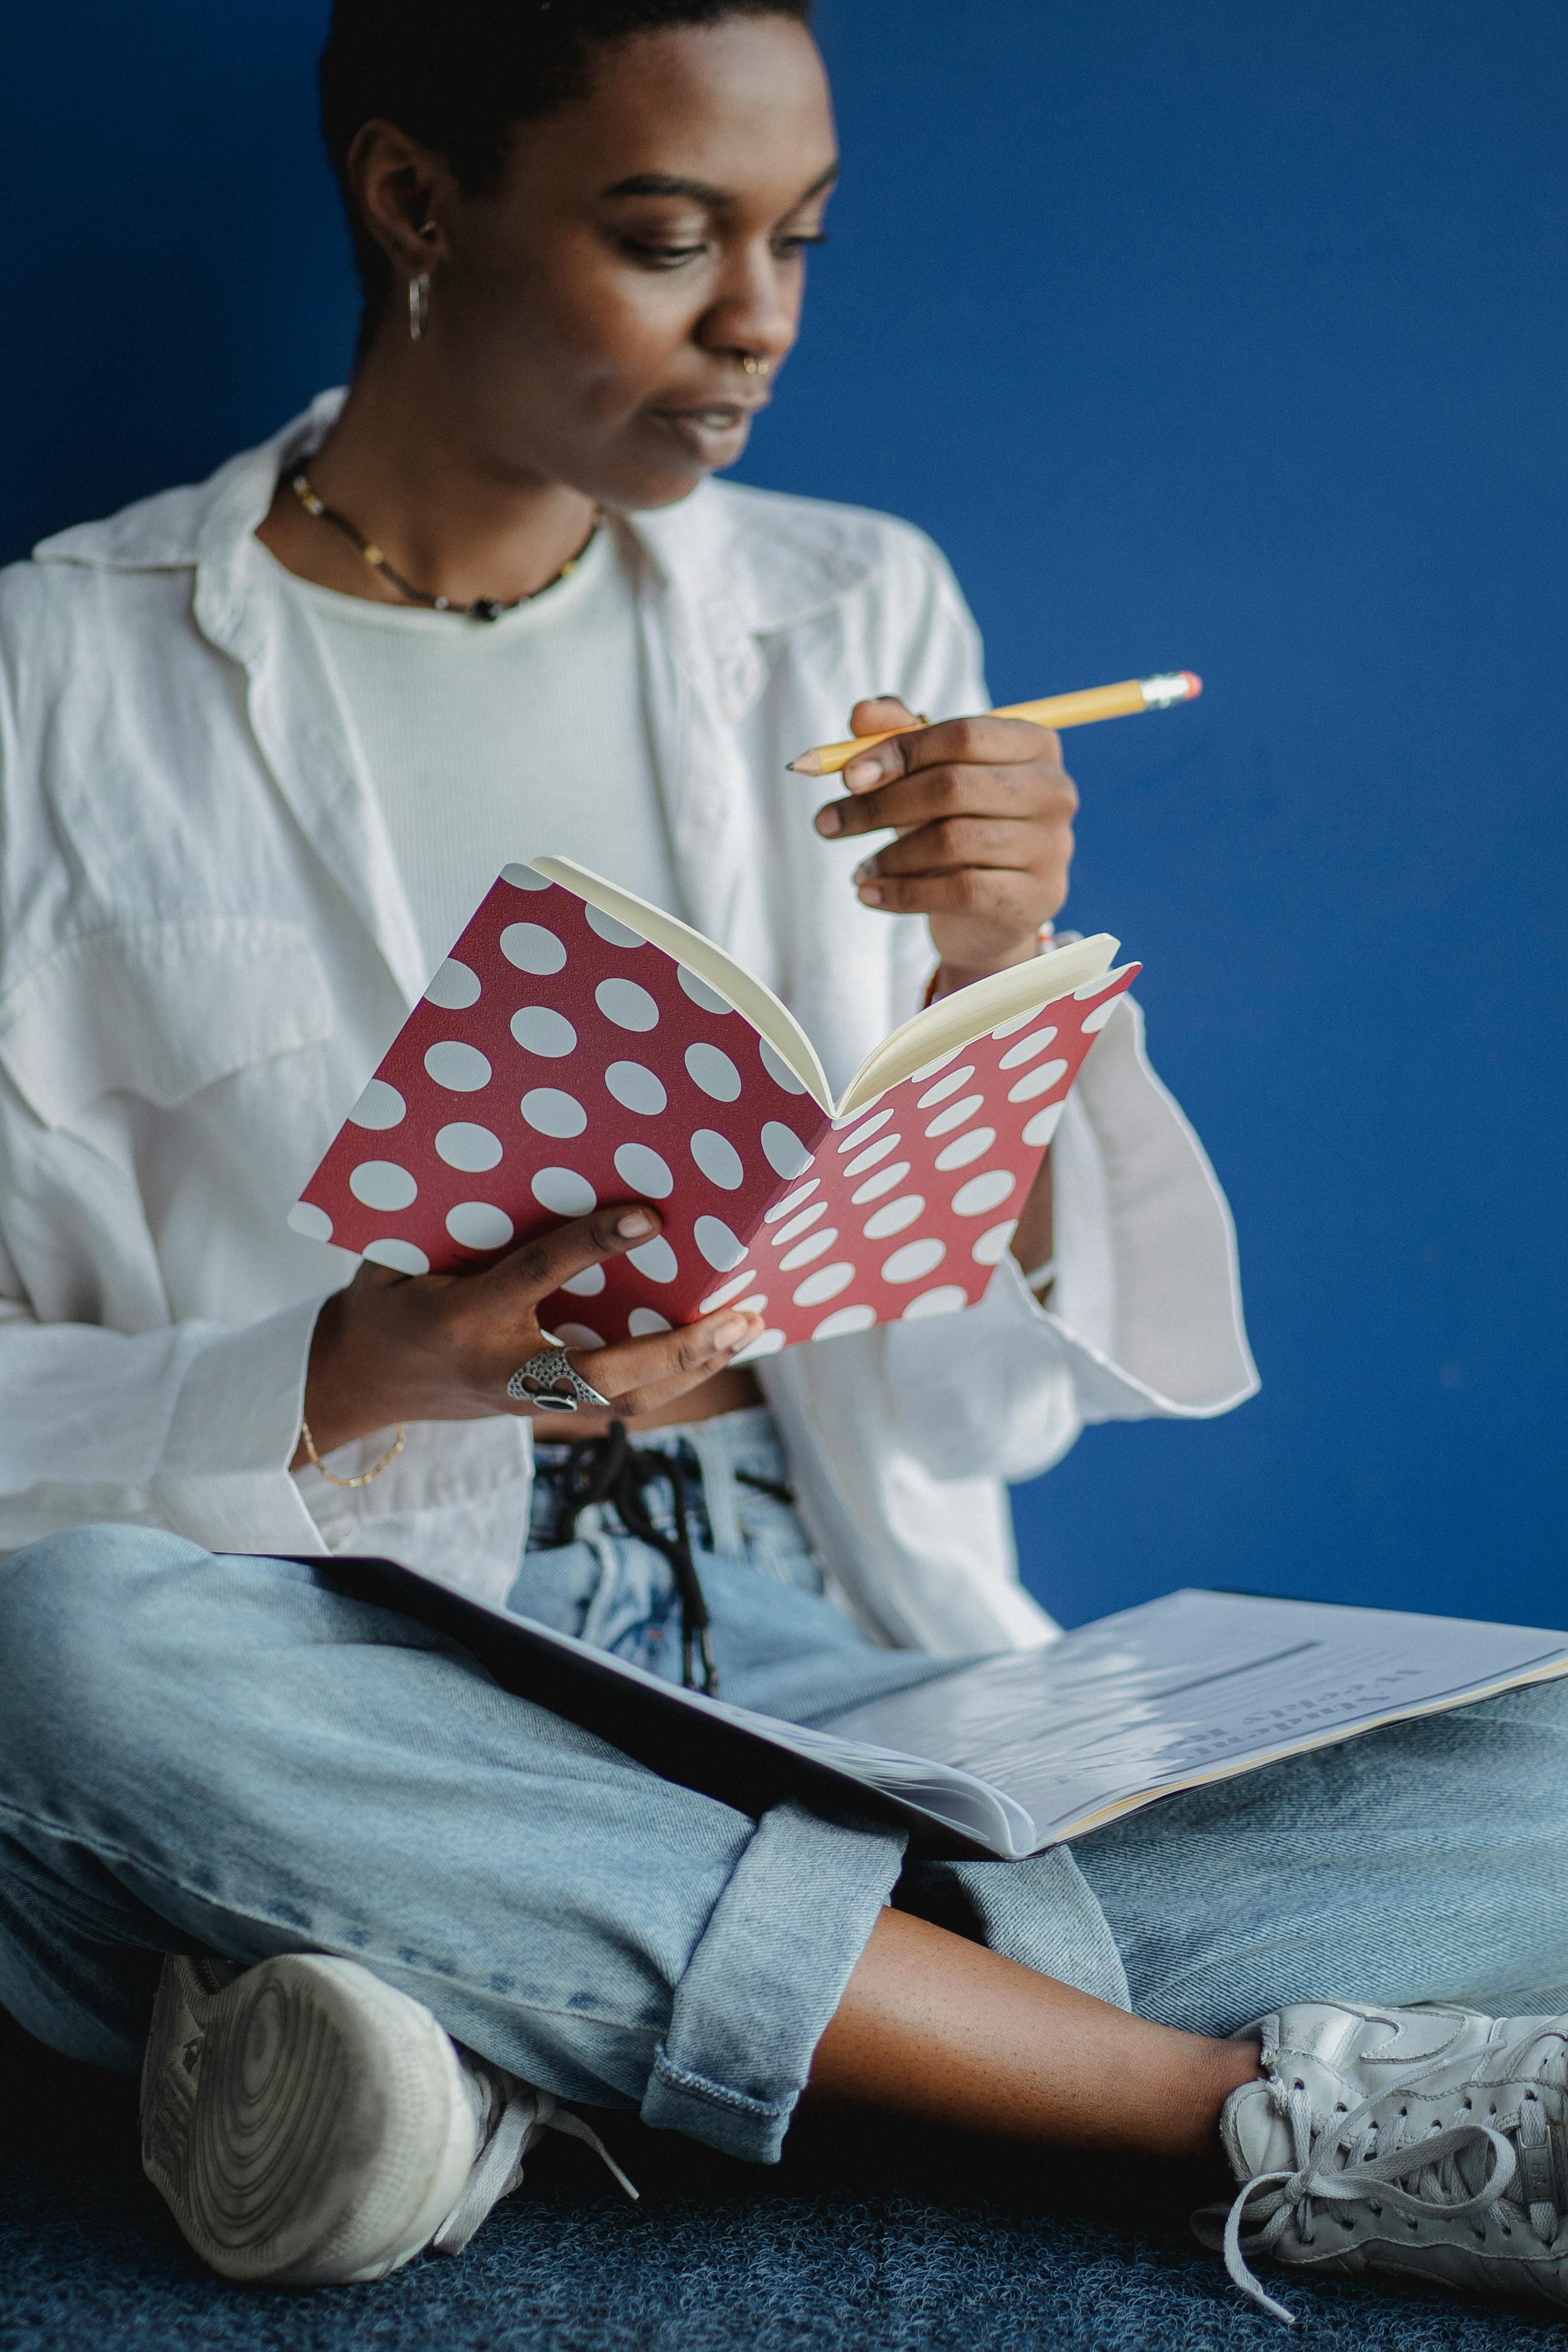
{"x": 1056, "y": 711}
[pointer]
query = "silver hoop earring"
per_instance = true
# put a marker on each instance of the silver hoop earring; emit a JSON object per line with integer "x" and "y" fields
{"x": 418, "y": 306}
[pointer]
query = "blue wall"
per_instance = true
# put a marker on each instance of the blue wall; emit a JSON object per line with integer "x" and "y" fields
{"x": 1218, "y": 335}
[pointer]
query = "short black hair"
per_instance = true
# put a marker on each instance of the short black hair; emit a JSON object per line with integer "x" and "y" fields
{"x": 461, "y": 76}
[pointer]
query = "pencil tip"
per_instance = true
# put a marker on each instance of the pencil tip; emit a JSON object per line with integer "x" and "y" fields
{"x": 807, "y": 765}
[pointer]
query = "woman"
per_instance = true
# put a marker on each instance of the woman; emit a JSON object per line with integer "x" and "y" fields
{"x": 264, "y": 743}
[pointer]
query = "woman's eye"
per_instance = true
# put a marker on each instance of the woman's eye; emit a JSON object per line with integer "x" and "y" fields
{"x": 660, "y": 257}
{"x": 787, "y": 247}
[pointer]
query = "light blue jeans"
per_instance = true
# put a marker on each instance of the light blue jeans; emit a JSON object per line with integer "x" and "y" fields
{"x": 221, "y": 1753}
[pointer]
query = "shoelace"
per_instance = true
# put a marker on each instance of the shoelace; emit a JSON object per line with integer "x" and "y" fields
{"x": 611, "y": 1470}
{"x": 1441, "y": 2192}
{"x": 526, "y": 2115}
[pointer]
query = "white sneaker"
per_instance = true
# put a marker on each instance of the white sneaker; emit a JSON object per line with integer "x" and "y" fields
{"x": 1431, "y": 2142}
{"x": 308, "y": 2124}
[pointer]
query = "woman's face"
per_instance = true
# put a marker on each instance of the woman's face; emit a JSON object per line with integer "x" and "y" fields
{"x": 588, "y": 321}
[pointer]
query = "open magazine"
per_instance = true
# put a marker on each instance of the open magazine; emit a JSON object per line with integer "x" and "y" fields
{"x": 1005, "y": 1756}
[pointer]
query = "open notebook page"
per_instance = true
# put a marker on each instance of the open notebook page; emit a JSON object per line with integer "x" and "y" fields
{"x": 968, "y": 1013}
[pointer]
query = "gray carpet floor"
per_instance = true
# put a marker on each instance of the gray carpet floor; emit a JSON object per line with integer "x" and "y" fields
{"x": 884, "y": 2239}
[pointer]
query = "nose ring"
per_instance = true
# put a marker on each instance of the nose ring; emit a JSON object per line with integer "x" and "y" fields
{"x": 751, "y": 365}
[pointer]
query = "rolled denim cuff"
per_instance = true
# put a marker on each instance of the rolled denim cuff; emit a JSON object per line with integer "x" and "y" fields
{"x": 766, "y": 1978}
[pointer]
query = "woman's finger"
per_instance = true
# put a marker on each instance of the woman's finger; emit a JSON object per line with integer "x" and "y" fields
{"x": 673, "y": 1359}
{"x": 1011, "y": 900}
{"x": 946, "y": 791}
{"x": 999, "y": 842}
{"x": 984, "y": 742}
{"x": 516, "y": 1282}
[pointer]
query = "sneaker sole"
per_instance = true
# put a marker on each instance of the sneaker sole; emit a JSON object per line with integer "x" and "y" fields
{"x": 307, "y": 2125}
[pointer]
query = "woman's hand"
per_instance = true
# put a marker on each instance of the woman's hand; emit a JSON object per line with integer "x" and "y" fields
{"x": 442, "y": 1347}
{"x": 983, "y": 810}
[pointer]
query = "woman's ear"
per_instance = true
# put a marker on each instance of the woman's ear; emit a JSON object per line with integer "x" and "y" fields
{"x": 403, "y": 190}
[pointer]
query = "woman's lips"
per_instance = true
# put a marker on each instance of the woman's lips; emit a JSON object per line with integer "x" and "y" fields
{"x": 711, "y": 431}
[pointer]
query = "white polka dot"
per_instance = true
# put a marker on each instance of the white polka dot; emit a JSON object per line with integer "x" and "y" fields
{"x": 1092, "y": 1023}
{"x": 619, "y": 935}
{"x": 1038, "y": 1082}
{"x": 718, "y": 1159}
{"x": 479, "y": 1226}
{"x": 947, "y": 1300}
{"x": 714, "y": 1072}
{"x": 656, "y": 1259}
{"x": 864, "y": 1130}
{"x": 991, "y": 1247}
{"x": 728, "y": 1290}
{"x": 636, "y": 1089}
{"x": 626, "y": 1004}
{"x": 872, "y": 1154}
{"x": 549, "y": 1111}
{"x": 779, "y": 1070}
{"x": 454, "y": 987}
{"x": 792, "y": 1201}
{"x": 843, "y": 1320}
{"x": 893, "y": 1218}
{"x": 824, "y": 1284}
{"x": 462, "y": 1069}
{"x": 916, "y": 1258}
{"x": 314, "y": 1223}
{"x": 532, "y": 948}
{"x": 383, "y": 1184}
{"x": 1019, "y": 1020}
{"x": 786, "y": 1154}
{"x": 700, "y": 993}
{"x": 929, "y": 1069}
{"x": 538, "y": 1030}
{"x": 577, "y": 1335}
{"x": 806, "y": 1219}
{"x": 717, "y": 1245}
{"x": 468, "y": 1147}
{"x": 645, "y": 1171}
{"x": 563, "y": 1192}
{"x": 401, "y": 1257}
{"x": 1027, "y": 1048}
{"x": 379, "y": 1106}
{"x": 887, "y": 1180}
{"x": 523, "y": 877}
{"x": 1093, "y": 987}
{"x": 644, "y": 1321}
{"x": 983, "y": 1192}
{"x": 945, "y": 1086}
{"x": 587, "y": 1284}
{"x": 766, "y": 1343}
{"x": 807, "y": 1252}
{"x": 1044, "y": 1124}
{"x": 958, "y": 1114}
{"x": 972, "y": 1146}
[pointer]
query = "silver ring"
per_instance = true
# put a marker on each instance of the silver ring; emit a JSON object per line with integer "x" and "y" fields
{"x": 549, "y": 1384}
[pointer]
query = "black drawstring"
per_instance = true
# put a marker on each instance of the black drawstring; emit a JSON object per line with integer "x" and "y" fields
{"x": 610, "y": 1470}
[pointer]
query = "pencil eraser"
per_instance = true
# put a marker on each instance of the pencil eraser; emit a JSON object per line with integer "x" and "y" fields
{"x": 1195, "y": 683}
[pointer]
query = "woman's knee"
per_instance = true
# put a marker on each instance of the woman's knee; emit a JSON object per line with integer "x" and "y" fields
{"x": 79, "y": 1613}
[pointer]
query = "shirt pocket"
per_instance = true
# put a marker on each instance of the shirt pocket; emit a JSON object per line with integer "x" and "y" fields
{"x": 160, "y": 1012}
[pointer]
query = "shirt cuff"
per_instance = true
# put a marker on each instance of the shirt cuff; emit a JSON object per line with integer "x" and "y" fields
{"x": 223, "y": 1480}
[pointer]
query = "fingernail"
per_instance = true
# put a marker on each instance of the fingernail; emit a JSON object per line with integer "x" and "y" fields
{"x": 863, "y": 871}
{"x": 861, "y": 774}
{"x": 869, "y": 895}
{"x": 730, "y": 1331}
{"x": 828, "y": 820}
{"x": 635, "y": 1221}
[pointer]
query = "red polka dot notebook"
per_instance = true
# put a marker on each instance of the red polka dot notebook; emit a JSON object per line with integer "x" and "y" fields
{"x": 578, "y": 1045}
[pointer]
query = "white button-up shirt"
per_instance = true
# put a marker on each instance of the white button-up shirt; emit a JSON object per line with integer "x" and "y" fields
{"x": 205, "y": 948}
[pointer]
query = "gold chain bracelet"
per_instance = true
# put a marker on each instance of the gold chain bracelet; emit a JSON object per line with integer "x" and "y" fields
{"x": 387, "y": 1459}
